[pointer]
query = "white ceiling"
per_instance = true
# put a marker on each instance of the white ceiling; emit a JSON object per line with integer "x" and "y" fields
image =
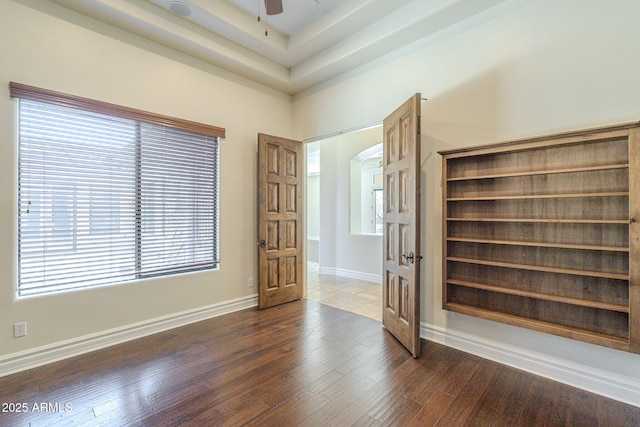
{"x": 310, "y": 42}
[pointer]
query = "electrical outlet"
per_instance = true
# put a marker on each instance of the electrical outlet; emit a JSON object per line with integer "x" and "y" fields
{"x": 251, "y": 282}
{"x": 19, "y": 329}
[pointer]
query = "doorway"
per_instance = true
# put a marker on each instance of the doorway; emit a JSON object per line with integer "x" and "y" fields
{"x": 344, "y": 258}
{"x": 280, "y": 218}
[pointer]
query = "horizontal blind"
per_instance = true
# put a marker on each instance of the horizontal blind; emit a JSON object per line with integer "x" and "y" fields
{"x": 104, "y": 199}
{"x": 178, "y": 200}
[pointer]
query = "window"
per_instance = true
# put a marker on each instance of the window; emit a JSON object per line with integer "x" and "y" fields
{"x": 109, "y": 194}
{"x": 366, "y": 193}
{"x": 378, "y": 212}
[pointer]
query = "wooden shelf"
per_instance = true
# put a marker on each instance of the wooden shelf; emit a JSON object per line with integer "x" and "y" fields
{"x": 538, "y": 196}
{"x": 573, "y": 272}
{"x": 619, "y": 343}
{"x": 563, "y": 300}
{"x": 541, "y": 244}
{"x": 545, "y": 220}
{"x": 542, "y": 233}
{"x": 541, "y": 172}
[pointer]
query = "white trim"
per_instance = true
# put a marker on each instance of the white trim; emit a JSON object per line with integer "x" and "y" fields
{"x": 29, "y": 359}
{"x": 358, "y": 275}
{"x": 615, "y": 386}
{"x": 343, "y": 132}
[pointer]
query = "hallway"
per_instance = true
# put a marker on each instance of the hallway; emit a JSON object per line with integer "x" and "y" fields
{"x": 357, "y": 296}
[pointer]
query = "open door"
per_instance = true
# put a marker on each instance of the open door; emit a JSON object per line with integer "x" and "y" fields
{"x": 401, "y": 235}
{"x": 280, "y": 209}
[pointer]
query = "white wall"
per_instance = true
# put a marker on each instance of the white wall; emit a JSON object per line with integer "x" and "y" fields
{"x": 362, "y": 199}
{"x": 313, "y": 206}
{"x": 521, "y": 69}
{"x": 340, "y": 250}
{"x": 66, "y": 52}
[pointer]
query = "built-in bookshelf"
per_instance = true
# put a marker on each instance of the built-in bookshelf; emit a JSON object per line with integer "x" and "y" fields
{"x": 543, "y": 233}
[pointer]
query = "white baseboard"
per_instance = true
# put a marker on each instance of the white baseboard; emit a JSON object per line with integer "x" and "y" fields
{"x": 367, "y": 277}
{"x": 29, "y": 359}
{"x": 608, "y": 384}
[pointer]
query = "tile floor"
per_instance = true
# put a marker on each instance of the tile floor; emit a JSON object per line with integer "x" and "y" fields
{"x": 356, "y": 296}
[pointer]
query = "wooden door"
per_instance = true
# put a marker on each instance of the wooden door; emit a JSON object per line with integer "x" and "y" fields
{"x": 280, "y": 209}
{"x": 401, "y": 239}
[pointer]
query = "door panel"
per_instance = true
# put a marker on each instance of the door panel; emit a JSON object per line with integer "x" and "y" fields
{"x": 401, "y": 239}
{"x": 280, "y": 233}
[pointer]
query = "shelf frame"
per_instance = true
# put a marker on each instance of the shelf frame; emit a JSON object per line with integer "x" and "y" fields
{"x": 604, "y": 148}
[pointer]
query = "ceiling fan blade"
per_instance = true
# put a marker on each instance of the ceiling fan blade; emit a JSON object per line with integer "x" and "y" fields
{"x": 274, "y": 7}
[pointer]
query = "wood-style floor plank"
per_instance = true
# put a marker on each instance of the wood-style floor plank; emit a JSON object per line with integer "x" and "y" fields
{"x": 465, "y": 402}
{"x": 302, "y": 363}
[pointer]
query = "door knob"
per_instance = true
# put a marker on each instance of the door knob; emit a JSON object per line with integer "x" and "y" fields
{"x": 411, "y": 257}
{"x": 262, "y": 243}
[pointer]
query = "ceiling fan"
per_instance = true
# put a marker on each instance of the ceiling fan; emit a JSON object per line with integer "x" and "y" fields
{"x": 274, "y": 7}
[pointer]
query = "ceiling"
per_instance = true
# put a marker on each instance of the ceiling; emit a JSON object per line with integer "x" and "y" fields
{"x": 310, "y": 42}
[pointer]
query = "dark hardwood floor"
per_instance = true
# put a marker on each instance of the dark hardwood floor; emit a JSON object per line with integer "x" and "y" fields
{"x": 302, "y": 363}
